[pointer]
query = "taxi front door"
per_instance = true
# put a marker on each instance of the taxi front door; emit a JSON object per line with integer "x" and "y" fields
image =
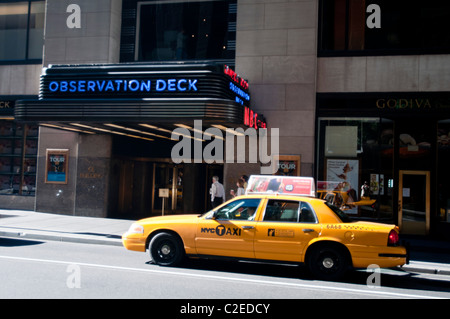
{"x": 230, "y": 231}
{"x": 228, "y": 238}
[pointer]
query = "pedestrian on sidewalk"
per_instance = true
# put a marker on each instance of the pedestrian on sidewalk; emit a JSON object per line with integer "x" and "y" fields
{"x": 240, "y": 189}
{"x": 217, "y": 192}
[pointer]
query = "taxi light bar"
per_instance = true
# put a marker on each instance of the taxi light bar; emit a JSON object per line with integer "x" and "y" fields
{"x": 282, "y": 185}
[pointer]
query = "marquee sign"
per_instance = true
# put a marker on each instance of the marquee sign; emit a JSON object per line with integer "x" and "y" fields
{"x": 144, "y": 81}
{"x": 188, "y": 88}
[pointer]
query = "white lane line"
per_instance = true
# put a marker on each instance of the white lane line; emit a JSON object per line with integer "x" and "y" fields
{"x": 373, "y": 291}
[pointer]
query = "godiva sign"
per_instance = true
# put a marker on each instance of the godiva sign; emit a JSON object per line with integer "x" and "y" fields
{"x": 417, "y": 103}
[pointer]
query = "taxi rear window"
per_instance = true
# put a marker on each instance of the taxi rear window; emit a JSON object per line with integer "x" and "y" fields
{"x": 342, "y": 216}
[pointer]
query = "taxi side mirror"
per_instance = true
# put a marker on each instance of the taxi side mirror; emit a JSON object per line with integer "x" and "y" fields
{"x": 214, "y": 215}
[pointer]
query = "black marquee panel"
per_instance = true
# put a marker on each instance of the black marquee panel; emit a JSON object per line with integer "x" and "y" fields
{"x": 140, "y": 92}
{"x": 138, "y": 81}
{"x": 63, "y": 110}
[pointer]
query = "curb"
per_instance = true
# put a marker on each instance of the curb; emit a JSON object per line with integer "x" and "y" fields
{"x": 63, "y": 238}
{"x": 426, "y": 269}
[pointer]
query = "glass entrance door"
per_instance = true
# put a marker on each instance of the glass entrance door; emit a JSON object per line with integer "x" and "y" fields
{"x": 168, "y": 177}
{"x": 414, "y": 202}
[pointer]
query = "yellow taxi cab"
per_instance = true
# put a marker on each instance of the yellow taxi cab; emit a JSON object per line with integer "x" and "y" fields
{"x": 278, "y": 219}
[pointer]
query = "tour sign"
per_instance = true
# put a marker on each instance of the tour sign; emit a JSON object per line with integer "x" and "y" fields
{"x": 282, "y": 185}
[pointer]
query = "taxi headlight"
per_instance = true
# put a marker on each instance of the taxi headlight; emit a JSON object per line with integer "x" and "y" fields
{"x": 136, "y": 229}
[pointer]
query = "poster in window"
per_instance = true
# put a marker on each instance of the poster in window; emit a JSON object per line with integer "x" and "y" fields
{"x": 56, "y": 168}
{"x": 344, "y": 175}
{"x": 288, "y": 165}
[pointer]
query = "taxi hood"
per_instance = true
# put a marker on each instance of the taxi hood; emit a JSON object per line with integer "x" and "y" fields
{"x": 168, "y": 218}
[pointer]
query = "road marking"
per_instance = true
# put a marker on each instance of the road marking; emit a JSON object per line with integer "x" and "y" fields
{"x": 224, "y": 278}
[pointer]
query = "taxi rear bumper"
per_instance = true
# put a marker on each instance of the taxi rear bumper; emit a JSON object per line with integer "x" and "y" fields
{"x": 386, "y": 257}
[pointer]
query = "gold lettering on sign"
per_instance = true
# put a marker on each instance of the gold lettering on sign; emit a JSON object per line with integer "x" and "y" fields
{"x": 402, "y": 104}
{"x": 91, "y": 173}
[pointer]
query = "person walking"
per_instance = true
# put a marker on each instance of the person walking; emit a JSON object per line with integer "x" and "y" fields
{"x": 217, "y": 192}
{"x": 240, "y": 189}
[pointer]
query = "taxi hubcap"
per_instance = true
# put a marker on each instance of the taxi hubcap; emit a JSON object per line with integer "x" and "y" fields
{"x": 165, "y": 250}
{"x": 328, "y": 263}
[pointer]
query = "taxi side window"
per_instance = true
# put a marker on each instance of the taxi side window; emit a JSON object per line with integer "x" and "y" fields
{"x": 282, "y": 211}
{"x": 289, "y": 211}
{"x": 243, "y": 209}
{"x": 307, "y": 214}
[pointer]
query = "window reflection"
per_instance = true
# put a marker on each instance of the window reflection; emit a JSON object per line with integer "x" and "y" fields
{"x": 187, "y": 30}
{"x": 21, "y": 26}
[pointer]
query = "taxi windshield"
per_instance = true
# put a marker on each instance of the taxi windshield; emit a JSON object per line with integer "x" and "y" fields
{"x": 342, "y": 216}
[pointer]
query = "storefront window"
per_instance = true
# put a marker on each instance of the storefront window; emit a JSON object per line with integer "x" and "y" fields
{"x": 355, "y": 165}
{"x": 18, "y": 153}
{"x": 21, "y": 30}
{"x": 175, "y": 30}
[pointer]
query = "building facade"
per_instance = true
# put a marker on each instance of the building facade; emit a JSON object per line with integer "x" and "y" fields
{"x": 359, "y": 91}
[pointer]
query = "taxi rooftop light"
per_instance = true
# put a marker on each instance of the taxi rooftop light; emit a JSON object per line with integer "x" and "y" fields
{"x": 282, "y": 185}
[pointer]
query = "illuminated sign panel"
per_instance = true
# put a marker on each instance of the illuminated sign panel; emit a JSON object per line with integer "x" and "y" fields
{"x": 122, "y": 86}
{"x": 283, "y": 185}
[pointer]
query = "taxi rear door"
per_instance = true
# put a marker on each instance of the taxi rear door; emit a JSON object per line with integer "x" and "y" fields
{"x": 285, "y": 229}
{"x": 230, "y": 231}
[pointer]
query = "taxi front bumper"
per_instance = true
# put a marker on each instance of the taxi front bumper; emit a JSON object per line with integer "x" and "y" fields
{"x": 133, "y": 242}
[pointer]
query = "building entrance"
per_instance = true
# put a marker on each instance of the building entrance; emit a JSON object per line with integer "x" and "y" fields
{"x": 145, "y": 187}
{"x": 415, "y": 145}
{"x": 167, "y": 197}
{"x": 414, "y": 202}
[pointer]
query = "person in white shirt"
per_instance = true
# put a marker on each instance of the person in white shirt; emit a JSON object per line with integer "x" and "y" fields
{"x": 240, "y": 189}
{"x": 217, "y": 192}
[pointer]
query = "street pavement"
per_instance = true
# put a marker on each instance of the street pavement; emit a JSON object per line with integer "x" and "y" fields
{"x": 427, "y": 255}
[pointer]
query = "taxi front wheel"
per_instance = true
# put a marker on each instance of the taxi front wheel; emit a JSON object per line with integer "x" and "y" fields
{"x": 328, "y": 262}
{"x": 166, "y": 250}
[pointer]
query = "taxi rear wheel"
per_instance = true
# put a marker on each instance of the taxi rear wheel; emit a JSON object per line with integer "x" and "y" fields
{"x": 166, "y": 249}
{"x": 328, "y": 262}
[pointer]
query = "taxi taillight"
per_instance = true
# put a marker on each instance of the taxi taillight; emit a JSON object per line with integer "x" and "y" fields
{"x": 393, "y": 238}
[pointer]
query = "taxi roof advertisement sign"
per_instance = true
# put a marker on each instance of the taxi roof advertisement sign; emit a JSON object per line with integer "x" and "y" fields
{"x": 283, "y": 185}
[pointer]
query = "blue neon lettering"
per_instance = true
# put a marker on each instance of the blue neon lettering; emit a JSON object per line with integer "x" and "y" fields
{"x": 146, "y": 86}
{"x": 53, "y": 86}
{"x": 91, "y": 86}
{"x": 118, "y": 82}
{"x": 171, "y": 86}
{"x": 63, "y": 86}
{"x": 180, "y": 88}
{"x": 160, "y": 85}
{"x": 109, "y": 86}
{"x": 133, "y": 85}
{"x": 73, "y": 86}
{"x": 99, "y": 86}
{"x": 192, "y": 84}
{"x": 239, "y": 92}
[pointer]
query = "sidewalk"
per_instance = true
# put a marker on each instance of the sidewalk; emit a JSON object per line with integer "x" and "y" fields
{"x": 427, "y": 255}
{"x": 43, "y": 226}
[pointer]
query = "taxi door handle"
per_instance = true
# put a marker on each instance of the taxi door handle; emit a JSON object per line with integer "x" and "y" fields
{"x": 308, "y": 230}
{"x": 248, "y": 227}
